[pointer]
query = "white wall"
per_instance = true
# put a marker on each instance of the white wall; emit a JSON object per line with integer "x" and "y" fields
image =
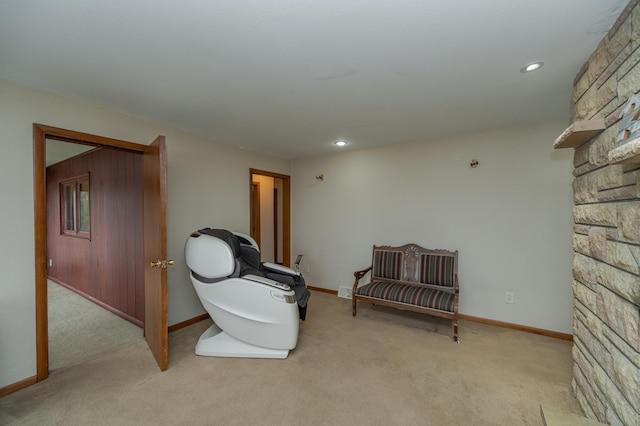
{"x": 208, "y": 185}
{"x": 510, "y": 218}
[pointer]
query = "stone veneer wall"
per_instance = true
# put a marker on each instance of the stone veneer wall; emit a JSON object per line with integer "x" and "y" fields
{"x": 606, "y": 239}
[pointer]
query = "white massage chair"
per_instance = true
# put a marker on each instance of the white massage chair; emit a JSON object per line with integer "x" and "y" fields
{"x": 254, "y": 316}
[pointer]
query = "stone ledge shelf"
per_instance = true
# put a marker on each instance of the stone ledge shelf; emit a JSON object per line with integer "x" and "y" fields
{"x": 579, "y": 132}
{"x": 629, "y": 153}
{"x": 552, "y": 417}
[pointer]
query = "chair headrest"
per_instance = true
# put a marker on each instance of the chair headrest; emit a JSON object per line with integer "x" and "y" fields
{"x": 208, "y": 257}
{"x": 226, "y": 236}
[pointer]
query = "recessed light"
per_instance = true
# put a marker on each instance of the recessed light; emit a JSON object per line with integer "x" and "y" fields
{"x": 532, "y": 66}
{"x": 340, "y": 143}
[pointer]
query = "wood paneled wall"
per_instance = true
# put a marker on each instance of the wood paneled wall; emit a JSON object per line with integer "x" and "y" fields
{"x": 107, "y": 268}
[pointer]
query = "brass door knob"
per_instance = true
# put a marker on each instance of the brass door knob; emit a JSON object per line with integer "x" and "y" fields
{"x": 161, "y": 263}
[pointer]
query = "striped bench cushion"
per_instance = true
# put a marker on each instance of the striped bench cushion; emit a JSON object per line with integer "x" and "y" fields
{"x": 436, "y": 269}
{"x": 408, "y": 294}
{"x": 387, "y": 264}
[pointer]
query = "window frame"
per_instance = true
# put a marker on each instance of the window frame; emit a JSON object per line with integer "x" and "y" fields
{"x": 77, "y": 219}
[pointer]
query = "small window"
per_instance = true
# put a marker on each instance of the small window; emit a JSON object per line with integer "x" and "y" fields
{"x": 75, "y": 211}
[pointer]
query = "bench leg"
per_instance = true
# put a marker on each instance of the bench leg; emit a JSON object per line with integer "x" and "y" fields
{"x": 353, "y": 305}
{"x": 455, "y": 330}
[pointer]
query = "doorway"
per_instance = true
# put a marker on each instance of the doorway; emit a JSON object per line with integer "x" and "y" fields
{"x": 270, "y": 216}
{"x": 94, "y": 218}
{"x": 153, "y": 240}
{"x": 95, "y": 294}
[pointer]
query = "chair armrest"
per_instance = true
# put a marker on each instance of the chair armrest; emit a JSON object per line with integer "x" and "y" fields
{"x": 267, "y": 281}
{"x": 362, "y": 273}
{"x": 358, "y": 275}
{"x": 279, "y": 268}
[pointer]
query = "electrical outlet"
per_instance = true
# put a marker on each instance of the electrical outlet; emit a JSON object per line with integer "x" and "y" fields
{"x": 508, "y": 297}
{"x": 307, "y": 267}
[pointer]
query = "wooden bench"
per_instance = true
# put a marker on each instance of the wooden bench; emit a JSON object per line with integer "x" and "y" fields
{"x": 412, "y": 278}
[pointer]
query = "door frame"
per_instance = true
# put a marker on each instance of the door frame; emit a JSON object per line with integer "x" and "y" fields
{"x": 286, "y": 210}
{"x": 42, "y": 132}
{"x": 254, "y": 212}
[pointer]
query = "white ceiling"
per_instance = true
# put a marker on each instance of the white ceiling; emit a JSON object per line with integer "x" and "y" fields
{"x": 289, "y": 77}
{"x": 58, "y": 151}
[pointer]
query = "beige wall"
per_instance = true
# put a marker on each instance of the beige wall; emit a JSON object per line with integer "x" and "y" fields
{"x": 510, "y": 218}
{"x": 207, "y": 186}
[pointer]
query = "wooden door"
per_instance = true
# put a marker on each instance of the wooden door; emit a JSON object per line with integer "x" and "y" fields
{"x": 154, "y": 172}
{"x": 156, "y": 319}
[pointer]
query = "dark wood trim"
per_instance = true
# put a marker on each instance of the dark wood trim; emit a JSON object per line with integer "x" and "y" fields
{"x": 40, "y": 237}
{"x": 286, "y": 221}
{"x": 14, "y": 387}
{"x": 187, "y": 323}
{"x": 255, "y": 212}
{"x": 275, "y": 225}
{"x": 40, "y": 133}
{"x": 76, "y": 181}
{"x": 271, "y": 174}
{"x": 65, "y": 135}
{"x": 323, "y": 290}
{"x": 286, "y": 210}
{"x": 525, "y": 328}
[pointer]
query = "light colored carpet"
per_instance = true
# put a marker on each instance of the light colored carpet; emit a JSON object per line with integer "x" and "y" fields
{"x": 80, "y": 330}
{"x": 383, "y": 367}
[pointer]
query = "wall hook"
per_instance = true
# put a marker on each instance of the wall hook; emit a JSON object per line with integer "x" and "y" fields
{"x": 474, "y": 164}
{"x": 320, "y": 177}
